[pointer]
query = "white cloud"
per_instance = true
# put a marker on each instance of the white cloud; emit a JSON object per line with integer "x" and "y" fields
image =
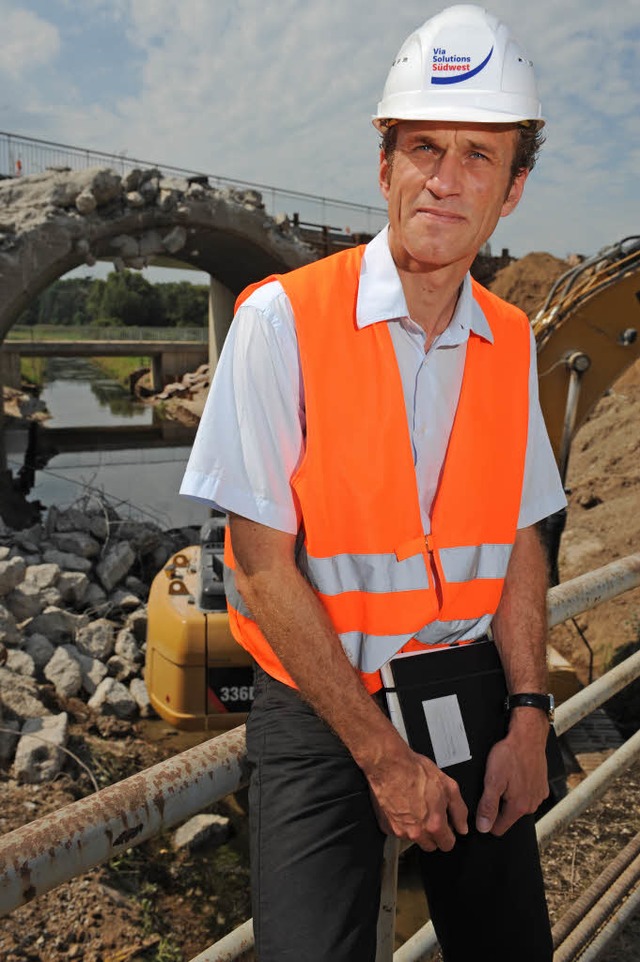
{"x": 26, "y": 41}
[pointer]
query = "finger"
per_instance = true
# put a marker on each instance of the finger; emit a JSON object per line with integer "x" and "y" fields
{"x": 427, "y": 845}
{"x": 488, "y": 808}
{"x": 440, "y": 832}
{"x": 458, "y": 811}
{"x": 507, "y": 817}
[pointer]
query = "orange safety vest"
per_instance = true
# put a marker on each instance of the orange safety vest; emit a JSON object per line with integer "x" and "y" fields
{"x": 386, "y": 586}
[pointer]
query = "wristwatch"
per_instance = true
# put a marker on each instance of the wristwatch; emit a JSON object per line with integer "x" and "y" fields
{"x": 529, "y": 699}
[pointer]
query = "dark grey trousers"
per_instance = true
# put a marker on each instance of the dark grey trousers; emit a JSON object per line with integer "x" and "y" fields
{"x": 317, "y": 854}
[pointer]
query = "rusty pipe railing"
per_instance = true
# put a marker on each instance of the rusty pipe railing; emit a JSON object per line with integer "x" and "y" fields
{"x": 57, "y": 847}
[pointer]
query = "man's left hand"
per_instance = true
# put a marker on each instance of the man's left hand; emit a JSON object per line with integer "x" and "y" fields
{"x": 516, "y": 780}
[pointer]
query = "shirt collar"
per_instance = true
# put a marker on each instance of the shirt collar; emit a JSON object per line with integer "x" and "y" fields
{"x": 381, "y": 298}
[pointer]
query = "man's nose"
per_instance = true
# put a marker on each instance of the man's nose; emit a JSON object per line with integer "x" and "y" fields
{"x": 444, "y": 178}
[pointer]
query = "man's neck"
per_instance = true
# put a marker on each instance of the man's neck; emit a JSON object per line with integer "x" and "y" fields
{"x": 432, "y": 296}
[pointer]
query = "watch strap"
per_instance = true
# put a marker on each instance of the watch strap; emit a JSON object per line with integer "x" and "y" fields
{"x": 530, "y": 699}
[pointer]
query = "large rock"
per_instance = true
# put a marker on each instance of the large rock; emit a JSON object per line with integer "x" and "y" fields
{"x": 92, "y": 670}
{"x": 202, "y": 830}
{"x": 97, "y": 639}
{"x": 25, "y": 601}
{"x": 127, "y": 647}
{"x": 12, "y": 573}
{"x": 20, "y": 662}
{"x": 64, "y": 672}
{"x": 38, "y": 756}
{"x": 95, "y": 597}
{"x": 142, "y": 536}
{"x": 73, "y": 586}
{"x": 43, "y": 575}
{"x": 76, "y": 543}
{"x": 139, "y": 692}
{"x": 30, "y": 539}
{"x": 9, "y": 634}
{"x": 66, "y": 561}
{"x": 137, "y": 623}
{"x": 52, "y": 597}
{"x": 124, "y": 600}
{"x": 20, "y": 697}
{"x": 111, "y": 697}
{"x": 122, "y": 669}
{"x": 56, "y": 624}
{"x": 115, "y": 565}
{"x": 39, "y": 649}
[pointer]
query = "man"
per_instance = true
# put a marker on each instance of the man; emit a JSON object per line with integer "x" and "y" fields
{"x": 374, "y": 433}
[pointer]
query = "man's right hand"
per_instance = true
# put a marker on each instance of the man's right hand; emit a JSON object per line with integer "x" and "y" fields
{"x": 415, "y": 800}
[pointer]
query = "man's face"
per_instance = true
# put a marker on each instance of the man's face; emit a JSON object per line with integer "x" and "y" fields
{"x": 446, "y": 188}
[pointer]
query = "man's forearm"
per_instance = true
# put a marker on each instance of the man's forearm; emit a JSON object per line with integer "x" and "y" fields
{"x": 520, "y": 622}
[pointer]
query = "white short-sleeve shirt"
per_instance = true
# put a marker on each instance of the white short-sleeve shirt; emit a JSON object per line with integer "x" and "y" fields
{"x": 251, "y": 436}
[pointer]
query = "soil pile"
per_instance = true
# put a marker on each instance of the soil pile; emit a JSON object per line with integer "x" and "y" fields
{"x": 527, "y": 282}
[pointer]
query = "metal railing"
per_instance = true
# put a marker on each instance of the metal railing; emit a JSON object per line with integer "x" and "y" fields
{"x": 83, "y": 835}
{"x": 20, "y": 156}
{"x": 60, "y": 332}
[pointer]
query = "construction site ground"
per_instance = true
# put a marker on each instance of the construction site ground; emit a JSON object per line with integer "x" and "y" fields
{"x": 154, "y": 904}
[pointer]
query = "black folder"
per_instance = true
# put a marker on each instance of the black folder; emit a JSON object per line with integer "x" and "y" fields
{"x": 449, "y": 704}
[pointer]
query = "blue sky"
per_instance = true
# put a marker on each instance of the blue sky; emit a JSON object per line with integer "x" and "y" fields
{"x": 283, "y": 93}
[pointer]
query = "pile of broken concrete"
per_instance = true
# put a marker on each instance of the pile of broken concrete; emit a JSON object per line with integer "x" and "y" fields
{"x": 73, "y": 619}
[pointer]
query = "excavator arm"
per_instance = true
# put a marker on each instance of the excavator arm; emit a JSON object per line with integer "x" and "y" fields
{"x": 587, "y": 336}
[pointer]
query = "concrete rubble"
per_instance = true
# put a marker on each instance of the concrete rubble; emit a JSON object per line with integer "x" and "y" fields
{"x": 201, "y": 830}
{"x": 73, "y": 627}
{"x": 60, "y": 218}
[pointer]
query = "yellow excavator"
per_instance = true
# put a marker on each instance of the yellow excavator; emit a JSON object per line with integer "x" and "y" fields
{"x": 587, "y": 336}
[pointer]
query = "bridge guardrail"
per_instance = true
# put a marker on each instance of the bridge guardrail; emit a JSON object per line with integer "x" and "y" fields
{"x": 43, "y": 854}
{"x": 20, "y": 156}
{"x": 51, "y": 332}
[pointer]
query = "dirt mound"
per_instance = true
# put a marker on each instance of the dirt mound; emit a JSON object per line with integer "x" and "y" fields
{"x": 527, "y": 282}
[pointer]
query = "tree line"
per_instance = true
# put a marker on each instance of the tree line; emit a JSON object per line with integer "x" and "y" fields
{"x": 125, "y": 298}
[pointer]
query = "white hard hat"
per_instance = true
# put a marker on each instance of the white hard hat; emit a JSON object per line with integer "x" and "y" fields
{"x": 461, "y": 65}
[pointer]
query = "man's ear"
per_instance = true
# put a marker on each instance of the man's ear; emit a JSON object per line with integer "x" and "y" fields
{"x": 384, "y": 175}
{"x": 512, "y": 199}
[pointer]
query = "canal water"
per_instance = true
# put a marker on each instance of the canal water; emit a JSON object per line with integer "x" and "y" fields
{"x": 142, "y": 481}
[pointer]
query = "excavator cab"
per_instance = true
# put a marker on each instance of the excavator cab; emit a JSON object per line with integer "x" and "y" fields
{"x": 197, "y": 676}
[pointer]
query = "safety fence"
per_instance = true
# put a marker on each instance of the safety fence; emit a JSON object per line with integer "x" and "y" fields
{"x": 20, "y": 156}
{"x": 57, "y": 847}
{"x": 61, "y": 332}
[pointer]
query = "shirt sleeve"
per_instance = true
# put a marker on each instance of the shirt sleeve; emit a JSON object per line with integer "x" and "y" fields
{"x": 542, "y": 492}
{"x": 251, "y": 436}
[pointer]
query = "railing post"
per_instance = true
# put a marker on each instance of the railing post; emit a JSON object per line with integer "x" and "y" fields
{"x": 388, "y": 898}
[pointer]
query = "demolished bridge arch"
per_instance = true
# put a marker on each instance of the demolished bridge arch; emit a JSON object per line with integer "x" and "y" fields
{"x": 55, "y": 221}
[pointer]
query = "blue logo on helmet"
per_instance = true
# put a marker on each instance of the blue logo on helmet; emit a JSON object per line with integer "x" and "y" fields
{"x": 443, "y": 63}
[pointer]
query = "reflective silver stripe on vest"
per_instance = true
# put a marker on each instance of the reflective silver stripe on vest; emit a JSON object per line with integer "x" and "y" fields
{"x": 446, "y": 632}
{"x": 234, "y": 597}
{"x": 375, "y": 573}
{"x": 477, "y": 561}
{"x": 370, "y": 652}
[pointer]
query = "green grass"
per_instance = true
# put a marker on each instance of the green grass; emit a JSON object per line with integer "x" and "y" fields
{"x": 119, "y": 368}
{"x": 32, "y": 370}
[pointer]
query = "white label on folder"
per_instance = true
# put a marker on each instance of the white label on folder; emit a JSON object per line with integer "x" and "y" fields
{"x": 446, "y": 730}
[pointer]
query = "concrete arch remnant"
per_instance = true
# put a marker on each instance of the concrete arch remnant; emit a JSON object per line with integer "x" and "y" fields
{"x": 60, "y": 219}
